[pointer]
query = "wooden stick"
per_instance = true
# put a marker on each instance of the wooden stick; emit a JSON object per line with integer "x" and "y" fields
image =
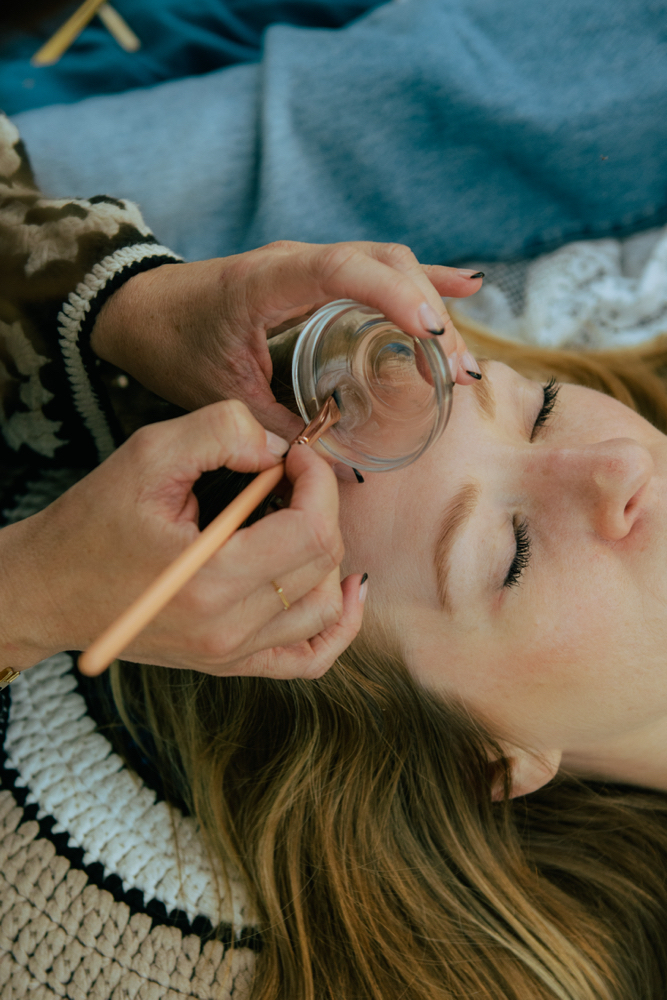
{"x": 127, "y": 627}
{"x": 110, "y": 644}
{"x": 59, "y": 42}
{"x": 118, "y": 27}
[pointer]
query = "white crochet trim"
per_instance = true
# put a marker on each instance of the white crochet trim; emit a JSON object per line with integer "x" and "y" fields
{"x": 73, "y": 313}
{"x": 594, "y": 294}
{"x": 73, "y": 775}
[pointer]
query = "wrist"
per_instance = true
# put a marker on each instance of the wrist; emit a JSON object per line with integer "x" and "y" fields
{"x": 111, "y": 328}
{"x": 129, "y": 324}
{"x": 28, "y": 612}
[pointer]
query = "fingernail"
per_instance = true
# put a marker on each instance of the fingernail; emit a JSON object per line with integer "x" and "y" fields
{"x": 360, "y": 478}
{"x": 470, "y": 365}
{"x": 430, "y": 320}
{"x": 453, "y": 364}
{"x": 363, "y": 588}
{"x": 276, "y": 445}
{"x": 470, "y": 274}
{"x": 344, "y": 472}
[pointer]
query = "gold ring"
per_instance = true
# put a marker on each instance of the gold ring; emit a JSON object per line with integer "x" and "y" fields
{"x": 279, "y": 592}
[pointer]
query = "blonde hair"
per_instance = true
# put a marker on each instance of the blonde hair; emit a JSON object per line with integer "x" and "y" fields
{"x": 359, "y": 809}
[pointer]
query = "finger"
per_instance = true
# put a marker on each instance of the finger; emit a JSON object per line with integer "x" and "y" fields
{"x": 314, "y": 484}
{"x": 384, "y": 276}
{"x": 328, "y": 645}
{"x": 463, "y": 367}
{"x": 452, "y": 282}
{"x": 316, "y": 610}
{"x": 311, "y": 658}
{"x": 304, "y": 538}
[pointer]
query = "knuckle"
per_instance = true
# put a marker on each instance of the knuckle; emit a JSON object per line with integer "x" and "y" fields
{"x": 234, "y": 418}
{"x": 146, "y": 441}
{"x": 234, "y": 409}
{"x": 400, "y": 254}
{"x": 215, "y": 647}
{"x": 283, "y": 246}
{"x": 323, "y": 541}
{"x": 336, "y": 257}
{"x": 330, "y": 609}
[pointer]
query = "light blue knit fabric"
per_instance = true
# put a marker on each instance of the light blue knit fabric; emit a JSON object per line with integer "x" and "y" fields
{"x": 483, "y": 129}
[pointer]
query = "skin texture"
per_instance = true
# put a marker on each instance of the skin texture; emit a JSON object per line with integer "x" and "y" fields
{"x": 568, "y": 665}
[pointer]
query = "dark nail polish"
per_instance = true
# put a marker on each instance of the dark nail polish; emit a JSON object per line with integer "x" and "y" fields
{"x": 474, "y": 374}
{"x": 480, "y": 274}
{"x": 360, "y": 478}
{"x": 437, "y": 333}
{"x": 363, "y": 579}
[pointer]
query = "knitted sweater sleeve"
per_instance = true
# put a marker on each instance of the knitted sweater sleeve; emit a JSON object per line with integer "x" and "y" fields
{"x": 60, "y": 259}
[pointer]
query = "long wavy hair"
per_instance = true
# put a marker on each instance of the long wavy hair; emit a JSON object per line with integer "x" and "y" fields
{"x": 359, "y": 809}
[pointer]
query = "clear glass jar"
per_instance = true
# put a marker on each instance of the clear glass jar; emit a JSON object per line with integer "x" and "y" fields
{"x": 394, "y": 391}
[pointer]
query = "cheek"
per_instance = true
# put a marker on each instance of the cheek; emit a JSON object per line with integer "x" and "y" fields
{"x": 558, "y": 664}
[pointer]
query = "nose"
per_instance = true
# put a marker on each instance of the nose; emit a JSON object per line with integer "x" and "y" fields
{"x": 606, "y": 478}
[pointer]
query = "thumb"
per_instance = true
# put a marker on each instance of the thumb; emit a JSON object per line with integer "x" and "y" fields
{"x": 221, "y": 434}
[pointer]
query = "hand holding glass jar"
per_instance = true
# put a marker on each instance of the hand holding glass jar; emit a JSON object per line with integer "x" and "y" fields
{"x": 196, "y": 333}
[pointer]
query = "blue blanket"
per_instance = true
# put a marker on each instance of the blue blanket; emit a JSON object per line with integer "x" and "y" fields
{"x": 178, "y": 38}
{"x": 486, "y": 129}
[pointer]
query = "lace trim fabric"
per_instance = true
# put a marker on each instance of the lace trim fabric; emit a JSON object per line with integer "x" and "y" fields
{"x": 595, "y": 294}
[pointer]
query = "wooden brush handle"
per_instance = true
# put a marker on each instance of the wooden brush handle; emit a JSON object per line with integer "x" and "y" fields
{"x": 110, "y": 644}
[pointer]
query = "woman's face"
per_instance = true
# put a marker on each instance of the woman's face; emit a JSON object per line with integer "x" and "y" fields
{"x": 523, "y": 560}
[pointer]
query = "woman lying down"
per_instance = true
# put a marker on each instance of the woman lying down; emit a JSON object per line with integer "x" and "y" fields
{"x": 470, "y": 801}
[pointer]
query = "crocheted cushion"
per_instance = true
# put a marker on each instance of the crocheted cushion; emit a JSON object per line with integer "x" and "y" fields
{"x": 103, "y": 894}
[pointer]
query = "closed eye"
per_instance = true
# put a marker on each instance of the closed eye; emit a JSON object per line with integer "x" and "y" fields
{"x": 522, "y": 538}
{"x": 521, "y": 556}
{"x": 550, "y": 390}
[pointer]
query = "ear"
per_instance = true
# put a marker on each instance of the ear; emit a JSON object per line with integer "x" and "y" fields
{"x": 530, "y": 771}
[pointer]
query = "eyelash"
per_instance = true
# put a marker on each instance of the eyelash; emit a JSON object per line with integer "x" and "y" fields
{"x": 521, "y": 556}
{"x": 550, "y": 390}
{"x": 522, "y": 538}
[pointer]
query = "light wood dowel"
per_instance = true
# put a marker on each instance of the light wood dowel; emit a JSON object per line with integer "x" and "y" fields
{"x": 52, "y": 50}
{"x": 118, "y": 27}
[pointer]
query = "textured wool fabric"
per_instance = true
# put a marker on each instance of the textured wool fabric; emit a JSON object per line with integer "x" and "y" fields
{"x": 62, "y": 932}
{"x": 491, "y": 129}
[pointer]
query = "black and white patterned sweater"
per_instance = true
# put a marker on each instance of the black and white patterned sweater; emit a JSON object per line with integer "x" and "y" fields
{"x": 105, "y": 893}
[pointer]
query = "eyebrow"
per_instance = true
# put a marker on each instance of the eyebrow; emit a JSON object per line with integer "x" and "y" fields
{"x": 456, "y": 515}
{"x": 484, "y": 395}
